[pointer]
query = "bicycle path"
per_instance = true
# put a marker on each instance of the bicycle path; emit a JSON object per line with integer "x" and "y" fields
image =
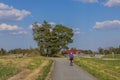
{"x": 63, "y": 71}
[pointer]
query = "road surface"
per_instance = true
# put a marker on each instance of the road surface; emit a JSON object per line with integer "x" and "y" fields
{"x": 63, "y": 71}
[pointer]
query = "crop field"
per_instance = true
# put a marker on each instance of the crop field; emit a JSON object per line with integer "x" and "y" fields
{"x": 28, "y": 68}
{"x": 101, "y": 69}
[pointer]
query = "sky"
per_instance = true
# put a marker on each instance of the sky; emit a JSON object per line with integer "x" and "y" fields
{"x": 96, "y": 23}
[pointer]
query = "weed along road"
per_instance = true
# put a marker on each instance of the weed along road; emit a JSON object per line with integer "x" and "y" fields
{"x": 63, "y": 71}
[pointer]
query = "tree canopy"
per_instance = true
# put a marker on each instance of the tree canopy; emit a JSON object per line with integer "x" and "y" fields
{"x": 52, "y": 38}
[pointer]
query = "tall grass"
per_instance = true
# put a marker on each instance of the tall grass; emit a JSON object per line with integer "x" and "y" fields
{"x": 102, "y": 69}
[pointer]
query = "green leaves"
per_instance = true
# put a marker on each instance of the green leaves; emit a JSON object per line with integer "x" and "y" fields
{"x": 51, "y": 39}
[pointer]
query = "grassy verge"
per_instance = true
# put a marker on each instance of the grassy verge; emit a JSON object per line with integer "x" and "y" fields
{"x": 102, "y": 69}
{"x": 111, "y": 56}
{"x": 45, "y": 71}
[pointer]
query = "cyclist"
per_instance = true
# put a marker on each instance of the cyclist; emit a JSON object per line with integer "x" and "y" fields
{"x": 71, "y": 56}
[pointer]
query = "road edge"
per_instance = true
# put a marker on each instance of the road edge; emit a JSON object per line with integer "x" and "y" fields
{"x": 49, "y": 76}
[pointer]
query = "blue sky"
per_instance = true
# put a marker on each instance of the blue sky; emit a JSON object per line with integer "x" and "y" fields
{"x": 96, "y": 23}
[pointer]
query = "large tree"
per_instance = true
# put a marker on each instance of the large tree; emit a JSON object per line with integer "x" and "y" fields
{"x": 51, "y": 39}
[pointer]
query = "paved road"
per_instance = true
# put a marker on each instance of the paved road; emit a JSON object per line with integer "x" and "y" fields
{"x": 63, "y": 71}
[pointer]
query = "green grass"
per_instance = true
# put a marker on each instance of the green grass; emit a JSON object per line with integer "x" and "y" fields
{"x": 45, "y": 71}
{"x": 11, "y": 66}
{"x": 35, "y": 63}
{"x": 111, "y": 56}
{"x": 7, "y": 71}
{"x": 102, "y": 69}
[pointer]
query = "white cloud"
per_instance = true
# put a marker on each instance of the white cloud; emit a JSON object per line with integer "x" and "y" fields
{"x": 11, "y": 29}
{"x": 112, "y": 3}
{"x": 19, "y": 33}
{"x": 52, "y": 23}
{"x": 3, "y": 6}
{"x": 88, "y": 1}
{"x": 10, "y": 13}
{"x": 4, "y": 26}
{"x": 31, "y": 26}
{"x": 114, "y": 24}
{"x": 76, "y": 30}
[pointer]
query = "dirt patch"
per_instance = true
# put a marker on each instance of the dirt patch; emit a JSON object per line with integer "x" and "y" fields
{"x": 21, "y": 75}
{"x": 36, "y": 72}
{"x": 29, "y": 74}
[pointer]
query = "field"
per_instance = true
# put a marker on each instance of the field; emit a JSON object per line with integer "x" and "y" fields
{"x": 117, "y": 56}
{"x": 28, "y": 68}
{"x": 101, "y": 69}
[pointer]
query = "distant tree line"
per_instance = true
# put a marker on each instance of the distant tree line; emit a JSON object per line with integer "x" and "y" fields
{"x": 23, "y": 52}
{"x": 109, "y": 50}
{"x": 36, "y": 51}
